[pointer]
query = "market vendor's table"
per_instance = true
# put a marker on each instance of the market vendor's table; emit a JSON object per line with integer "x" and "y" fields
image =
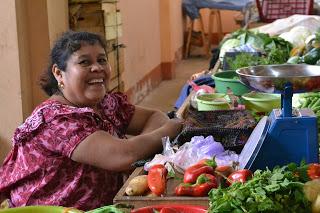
{"x": 169, "y": 198}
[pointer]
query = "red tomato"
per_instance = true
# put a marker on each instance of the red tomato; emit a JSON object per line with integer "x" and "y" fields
{"x": 241, "y": 175}
{"x": 157, "y": 179}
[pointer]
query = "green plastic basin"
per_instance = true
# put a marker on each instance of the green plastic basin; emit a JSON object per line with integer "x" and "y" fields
{"x": 229, "y": 79}
{"x": 40, "y": 209}
{"x": 214, "y": 101}
{"x": 261, "y": 102}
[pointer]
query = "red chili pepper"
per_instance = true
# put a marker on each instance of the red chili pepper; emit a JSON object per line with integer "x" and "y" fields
{"x": 308, "y": 172}
{"x": 157, "y": 179}
{"x": 241, "y": 175}
{"x": 204, "y": 183}
{"x": 313, "y": 171}
{"x": 193, "y": 172}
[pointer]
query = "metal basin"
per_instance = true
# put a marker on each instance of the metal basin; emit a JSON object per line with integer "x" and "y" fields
{"x": 272, "y": 78}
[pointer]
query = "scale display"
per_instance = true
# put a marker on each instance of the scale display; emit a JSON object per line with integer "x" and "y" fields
{"x": 283, "y": 137}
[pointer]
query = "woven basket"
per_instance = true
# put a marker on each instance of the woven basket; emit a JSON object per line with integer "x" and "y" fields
{"x": 231, "y": 139}
{"x": 234, "y": 119}
{"x": 231, "y": 128}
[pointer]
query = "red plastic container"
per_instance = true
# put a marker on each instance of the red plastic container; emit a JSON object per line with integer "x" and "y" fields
{"x": 171, "y": 208}
{"x": 270, "y": 10}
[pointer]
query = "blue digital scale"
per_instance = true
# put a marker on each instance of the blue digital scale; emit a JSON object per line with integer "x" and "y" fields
{"x": 286, "y": 135}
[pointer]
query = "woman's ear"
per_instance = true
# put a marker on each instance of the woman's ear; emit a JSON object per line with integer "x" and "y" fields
{"x": 57, "y": 73}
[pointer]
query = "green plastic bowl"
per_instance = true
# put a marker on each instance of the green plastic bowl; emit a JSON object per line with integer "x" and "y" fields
{"x": 214, "y": 101}
{"x": 261, "y": 102}
{"x": 40, "y": 209}
{"x": 229, "y": 79}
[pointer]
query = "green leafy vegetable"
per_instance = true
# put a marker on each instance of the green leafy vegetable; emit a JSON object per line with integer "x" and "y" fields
{"x": 268, "y": 191}
{"x": 245, "y": 60}
{"x": 117, "y": 208}
{"x": 275, "y": 49}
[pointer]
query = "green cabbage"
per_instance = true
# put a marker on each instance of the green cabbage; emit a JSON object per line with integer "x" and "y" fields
{"x": 228, "y": 45}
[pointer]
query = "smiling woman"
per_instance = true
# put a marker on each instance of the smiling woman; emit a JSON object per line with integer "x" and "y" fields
{"x": 72, "y": 150}
{"x": 86, "y": 76}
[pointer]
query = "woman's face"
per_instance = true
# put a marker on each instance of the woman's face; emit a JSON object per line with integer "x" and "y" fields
{"x": 86, "y": 76}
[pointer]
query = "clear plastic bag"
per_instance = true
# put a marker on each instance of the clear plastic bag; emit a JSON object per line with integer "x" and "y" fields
{"x": 191, "y": 152}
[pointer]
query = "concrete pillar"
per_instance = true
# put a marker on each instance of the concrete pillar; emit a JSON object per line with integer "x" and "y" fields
{"x": 24, "y": 46}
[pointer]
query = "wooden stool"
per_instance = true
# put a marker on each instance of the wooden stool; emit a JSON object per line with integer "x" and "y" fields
{"x": 190, "y": 30}
{"x": 214, "y": 15}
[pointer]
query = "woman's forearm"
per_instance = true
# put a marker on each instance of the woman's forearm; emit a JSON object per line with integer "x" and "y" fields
{"x": 102, "y": 150}
{"x": 156, "y": 120}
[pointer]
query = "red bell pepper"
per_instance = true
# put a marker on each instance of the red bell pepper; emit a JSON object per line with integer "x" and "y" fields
{"x": 205, "y": 166}
{"x": 204, "y": 183}
{"x": 241, "y": 176}
{"x": 157, "y": 179}
{"x": 208, "y": 162}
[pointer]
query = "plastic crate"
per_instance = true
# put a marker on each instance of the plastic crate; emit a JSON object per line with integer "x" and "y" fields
{"x": 270, "y": 10}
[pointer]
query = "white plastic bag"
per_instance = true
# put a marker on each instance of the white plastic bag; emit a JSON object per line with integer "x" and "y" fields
{"x": 191, "y": 152}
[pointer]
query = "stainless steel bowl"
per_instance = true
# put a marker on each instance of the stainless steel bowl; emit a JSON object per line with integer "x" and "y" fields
{"x": 272, "y": 78}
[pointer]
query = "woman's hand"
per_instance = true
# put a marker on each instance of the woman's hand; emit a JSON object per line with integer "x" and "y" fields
{"x": 199, "y": 74}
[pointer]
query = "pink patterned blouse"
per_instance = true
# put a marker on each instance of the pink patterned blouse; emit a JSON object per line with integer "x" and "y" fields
{"x": 39, "y": 169}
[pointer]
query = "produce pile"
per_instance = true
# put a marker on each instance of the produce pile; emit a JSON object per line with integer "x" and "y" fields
{"x": 311, "y": 100}
{"x": 267, "y": 191}
{"x": 308, "y": 52}
{"x": 297, "y": 46}
{"x": 197, "y": 180}
{"x": 289, "y": 187}
{"x": 274, "y": 49}
{"x": 239, "y": 190}
{"x": 153, "y": 184}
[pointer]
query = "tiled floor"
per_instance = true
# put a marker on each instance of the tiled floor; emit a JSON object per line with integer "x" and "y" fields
{"x": 166, "y": 94}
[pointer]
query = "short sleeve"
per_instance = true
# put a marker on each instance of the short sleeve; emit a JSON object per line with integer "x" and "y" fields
{"x": 117, "y": 108}
{"x": 64, "y": 133}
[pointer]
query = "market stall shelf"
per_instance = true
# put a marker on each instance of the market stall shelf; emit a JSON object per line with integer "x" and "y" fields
{"x": 169, "y": 198}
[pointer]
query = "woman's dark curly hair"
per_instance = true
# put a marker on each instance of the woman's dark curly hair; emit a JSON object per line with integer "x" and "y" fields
{"x": 63, "y": 48}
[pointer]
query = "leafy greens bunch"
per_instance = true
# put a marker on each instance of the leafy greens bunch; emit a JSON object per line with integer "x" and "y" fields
{"x": 278, "y": 190}
{"x": 275, "y": 50}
